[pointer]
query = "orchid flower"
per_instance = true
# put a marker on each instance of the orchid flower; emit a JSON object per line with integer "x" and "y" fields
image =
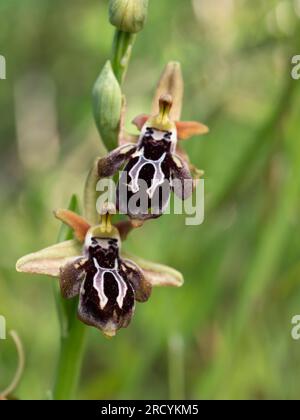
{"x": 92, "y": 267}
{"x": 153, "y": 164}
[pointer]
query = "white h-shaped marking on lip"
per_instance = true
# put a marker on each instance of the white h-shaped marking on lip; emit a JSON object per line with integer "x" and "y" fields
{"x": 98, "y": 284}
{"x": 158, "y": 178}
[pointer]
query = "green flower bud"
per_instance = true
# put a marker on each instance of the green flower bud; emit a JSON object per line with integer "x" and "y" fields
{"x": 107, "y": 105}
{"x": 128, "y": 15}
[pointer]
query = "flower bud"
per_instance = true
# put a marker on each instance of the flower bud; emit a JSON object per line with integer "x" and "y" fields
{"x": 128, "y": 15}
{"x": 107, "y": 105}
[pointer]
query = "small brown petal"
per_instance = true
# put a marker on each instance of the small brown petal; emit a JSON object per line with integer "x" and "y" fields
{"x": 110, "y": 164}
{"x": 187, "y": 129}
{"x": 140, "y": 121}
{"x": 135, "y": 275}
{"x": 181, "y": 175}
{"x": 71, "y": 277}
{"x": 75, "y": 222}
{"x": 195, "y": 172}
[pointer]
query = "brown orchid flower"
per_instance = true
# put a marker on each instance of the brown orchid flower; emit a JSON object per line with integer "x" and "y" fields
{"x": 154, "y": 164}
{"x": 92, "y": 267}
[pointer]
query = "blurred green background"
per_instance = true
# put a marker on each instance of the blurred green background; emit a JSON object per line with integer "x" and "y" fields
{"x": 227, "y": 332}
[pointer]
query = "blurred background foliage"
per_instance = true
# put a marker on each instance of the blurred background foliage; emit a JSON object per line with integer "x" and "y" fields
{"x": 227, "y": 332}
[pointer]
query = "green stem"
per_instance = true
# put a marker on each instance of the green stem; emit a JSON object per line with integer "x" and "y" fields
{"x": 176, "y": 367}
{"x": 70, "y": 361}
{"x": 73, "y": 332}
{"x": 121, "y": 53}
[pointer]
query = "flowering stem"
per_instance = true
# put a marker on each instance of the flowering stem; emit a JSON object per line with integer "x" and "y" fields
{"x": 121, "y": 53}
{"x": 70, "y": 361}
{"x": 73, "y": 332}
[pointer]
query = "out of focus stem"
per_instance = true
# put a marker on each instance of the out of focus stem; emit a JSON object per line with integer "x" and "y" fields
{"x": 121, "y": 53}
{"x": 70, "y": 361}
